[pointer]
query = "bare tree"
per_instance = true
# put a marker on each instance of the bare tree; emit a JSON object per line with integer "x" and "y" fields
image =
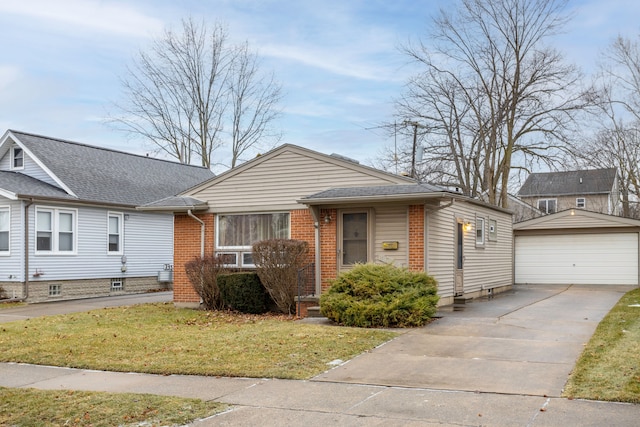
{"x": 254, "y": 98}
{"x": 493, "y": 94}
{"x": 616, "y": 140}
{"x": 193, "y": 92}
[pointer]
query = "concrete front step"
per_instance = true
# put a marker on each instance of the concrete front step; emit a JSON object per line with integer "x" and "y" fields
{"x": 314, "y": 311}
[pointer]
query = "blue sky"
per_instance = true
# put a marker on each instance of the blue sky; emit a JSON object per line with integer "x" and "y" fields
{"x": 337, "y": 60}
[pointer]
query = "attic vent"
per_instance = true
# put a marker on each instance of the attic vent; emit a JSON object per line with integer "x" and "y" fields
{"x": 580, "y": 180}
{"x": 345, "y": 158}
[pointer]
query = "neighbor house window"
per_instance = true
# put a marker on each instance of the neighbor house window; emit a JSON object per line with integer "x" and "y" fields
{"x": 114, "y": 233}
{"x": 18, "y": 158}
{"x": 581, "y": 203}
{"x": 479, "y": 231}
{"x": 547, "y": 205}
{"x": 237, "y": 233}
{"x": 55, "y": 230}
{"x": 5, "y": 218}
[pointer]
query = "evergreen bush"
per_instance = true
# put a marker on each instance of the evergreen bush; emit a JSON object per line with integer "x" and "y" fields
{"x": 243, "y": 292}
{"x": 380, "y": 295}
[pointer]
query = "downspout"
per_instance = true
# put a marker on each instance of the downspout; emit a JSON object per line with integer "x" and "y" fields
{"x": 25, "y": 293}
{"x": 201, "y": 231}
{"x": 315, "y": 214}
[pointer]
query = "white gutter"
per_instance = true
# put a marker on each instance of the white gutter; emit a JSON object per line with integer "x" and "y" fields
{"x": 201, "y": 231}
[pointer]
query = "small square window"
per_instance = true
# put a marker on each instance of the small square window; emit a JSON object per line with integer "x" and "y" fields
{"x": 55, "y": 290}
{"x": 117, "y": 284}
{"x": 479, "y": 231}
{"x": 229, "y": 259}
{"x": 581, "y": 203}
{"x": 18, "y": 158}
{"x": 247, "y": 259}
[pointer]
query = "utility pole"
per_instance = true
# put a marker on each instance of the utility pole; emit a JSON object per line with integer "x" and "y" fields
{"x": 413, "y": 151}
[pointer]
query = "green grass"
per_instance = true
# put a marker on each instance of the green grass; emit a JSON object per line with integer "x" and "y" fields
{"x": 609, "y": 367}
{"x": 162, "y": 339}
{"x": 30, "y": 407}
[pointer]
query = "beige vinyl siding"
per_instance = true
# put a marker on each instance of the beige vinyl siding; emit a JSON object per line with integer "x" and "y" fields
{"x": 485, "y": 267}
{"x": 440, "y": 243}
{"x": 579, "y": 220}
{"x": 391, "y": 225}
{"x": 279, "y": 181}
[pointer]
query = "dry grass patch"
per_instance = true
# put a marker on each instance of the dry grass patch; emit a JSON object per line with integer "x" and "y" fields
{"x": 609, "y": 367}
{"x": 162, "y": 339}
{"x": 30, "y": 407}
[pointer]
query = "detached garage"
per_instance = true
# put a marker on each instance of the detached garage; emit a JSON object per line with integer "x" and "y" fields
{"x": 577, "y": 247}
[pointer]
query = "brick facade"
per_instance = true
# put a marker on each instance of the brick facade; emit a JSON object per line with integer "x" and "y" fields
{"x": 186, "y": 246}
{"x": 302, "y": 228}
{"x": 416, "y": 237}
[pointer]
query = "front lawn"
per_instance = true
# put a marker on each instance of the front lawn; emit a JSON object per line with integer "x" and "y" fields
{"x": 609, "y": 367}
{"x": 30, "y": 407}
{"x": 161, "y": 339}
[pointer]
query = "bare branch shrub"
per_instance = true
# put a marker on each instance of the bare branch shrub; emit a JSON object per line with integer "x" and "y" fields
{"x": 203, "y": 274}
{"x": 278, "y": 262}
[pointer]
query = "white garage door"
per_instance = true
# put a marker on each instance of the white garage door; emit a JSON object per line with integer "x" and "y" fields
{"x": 599, "y": 259}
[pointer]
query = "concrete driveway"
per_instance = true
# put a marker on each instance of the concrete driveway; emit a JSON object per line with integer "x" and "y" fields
{"x": 522, "y": 342}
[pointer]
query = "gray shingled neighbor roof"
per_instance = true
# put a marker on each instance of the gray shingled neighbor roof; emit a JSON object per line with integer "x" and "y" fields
{"x": 19, "y": 183}
{"x": 102, "y": 175}
{"x": 594, "y": 181}
{"x": 374, "y": 191}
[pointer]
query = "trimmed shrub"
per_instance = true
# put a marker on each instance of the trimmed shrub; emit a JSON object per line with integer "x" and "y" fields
{"x": 243, "y": 292}
{"x": 380, "y": 295}
{"x": 203, "y": 274}
{"x": 277, "y": 262}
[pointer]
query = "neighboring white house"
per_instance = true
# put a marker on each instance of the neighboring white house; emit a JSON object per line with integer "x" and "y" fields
{"x": 68, "y": 223}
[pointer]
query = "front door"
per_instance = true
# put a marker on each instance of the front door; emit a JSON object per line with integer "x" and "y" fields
{"x": 459, "y": 268}
{"x": 354, "y": 238}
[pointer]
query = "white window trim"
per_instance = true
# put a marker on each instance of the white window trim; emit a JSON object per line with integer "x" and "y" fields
{"x": 584, "y": 203}
{"x": 12, "y": 159}
{"x": 8, "y": 251}
{"x": 55, "y": 230}
{"x": 235, "y": 254}
{"x": 120, "y": 216}
{"x": 480, "y": 243}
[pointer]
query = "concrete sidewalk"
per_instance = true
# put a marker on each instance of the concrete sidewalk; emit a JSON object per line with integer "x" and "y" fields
{"x": 499, "y": 362}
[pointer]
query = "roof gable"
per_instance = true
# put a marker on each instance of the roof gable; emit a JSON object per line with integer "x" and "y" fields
{"x": 594, "y": 181}
{"x": 277, "y": 179}
{"x": 101, "y": 175}
{"x": 575, "y": 219}
{"x": 305, "y": 152}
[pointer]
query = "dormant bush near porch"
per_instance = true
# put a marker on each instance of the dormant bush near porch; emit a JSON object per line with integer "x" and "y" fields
{"x": 380, "y": 295}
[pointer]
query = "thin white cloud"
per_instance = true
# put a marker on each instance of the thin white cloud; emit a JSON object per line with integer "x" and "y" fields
{"x": 8, "y": 75}
{"x": 104, "y": 16}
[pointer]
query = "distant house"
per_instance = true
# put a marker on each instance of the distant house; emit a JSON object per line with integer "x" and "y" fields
{"x": 595, "y": 190}
{"x": 349, "y": 214}
{"x": 68, "y": 223}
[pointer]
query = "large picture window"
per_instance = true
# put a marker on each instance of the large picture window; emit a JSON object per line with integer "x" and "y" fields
{"x": 240, "y": 232}
{"x": 5, "y": 226}
{"x": 55, "y": 230}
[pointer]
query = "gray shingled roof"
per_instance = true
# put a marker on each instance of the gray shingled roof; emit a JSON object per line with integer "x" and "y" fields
{"x": 99, "y": 174}
{"x": 594, "y": 181}
{"x": 22, "y": 184}
{"x": 175, "y": 203}
{"x": 374, "y": 191}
